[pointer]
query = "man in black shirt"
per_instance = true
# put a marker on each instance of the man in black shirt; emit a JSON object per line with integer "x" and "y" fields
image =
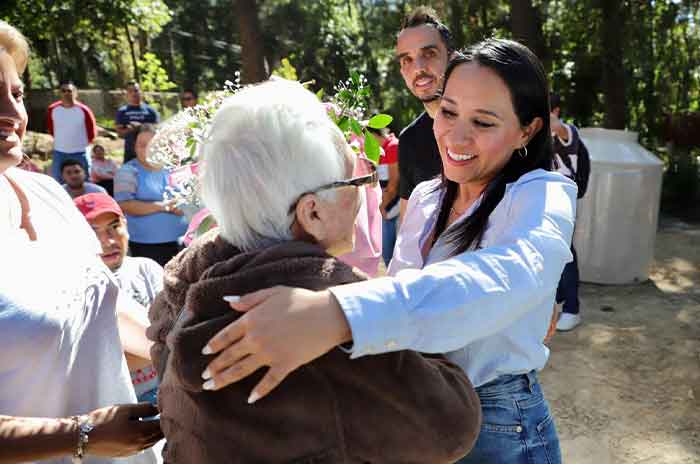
{"x": 423, "y": 48}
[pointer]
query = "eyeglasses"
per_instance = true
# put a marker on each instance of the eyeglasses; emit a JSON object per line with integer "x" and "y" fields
{"x": 367, "y": 176}
{"x": 66, "y": 90}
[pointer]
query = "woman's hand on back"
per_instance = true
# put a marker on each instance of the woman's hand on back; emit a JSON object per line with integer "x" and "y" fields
{"x": 283, "y": 328}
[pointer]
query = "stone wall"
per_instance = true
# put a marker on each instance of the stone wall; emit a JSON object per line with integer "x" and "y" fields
{"x": 104, "y": 103}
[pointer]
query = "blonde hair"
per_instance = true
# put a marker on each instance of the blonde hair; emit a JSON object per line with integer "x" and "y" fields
{"x": 15, "y": 44}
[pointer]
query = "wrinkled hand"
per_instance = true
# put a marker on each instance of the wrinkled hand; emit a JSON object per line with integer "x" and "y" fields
{"x": 118, "y": 431}
{"x": 283, "y": 328}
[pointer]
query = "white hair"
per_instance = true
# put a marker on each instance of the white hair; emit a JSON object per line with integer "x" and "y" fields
{"x": 267, "y": 145}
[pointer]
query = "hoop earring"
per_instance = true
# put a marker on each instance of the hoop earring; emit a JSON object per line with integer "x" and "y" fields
{"x": 520, "y": 152}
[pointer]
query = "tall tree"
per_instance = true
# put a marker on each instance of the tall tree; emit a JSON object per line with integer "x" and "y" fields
{"x": 612, "y": 38}
{"x": 526, "y": 26}
{"x": 252, "y": 47}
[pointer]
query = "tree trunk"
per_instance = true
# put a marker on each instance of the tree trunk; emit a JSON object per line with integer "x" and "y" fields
{"x": 612, "y": 38}
{"x": 456, "y": 22}
{"x": 252, "y": 52}
{"x": 526, "y": 26}
{"x": 134, "y": 61}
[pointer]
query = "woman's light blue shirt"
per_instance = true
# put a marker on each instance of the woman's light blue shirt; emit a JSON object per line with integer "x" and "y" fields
{"x": 489, "y": 309}
{"x": 134, "y": 182}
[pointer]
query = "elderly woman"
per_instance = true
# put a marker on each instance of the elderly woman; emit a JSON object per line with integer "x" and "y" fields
{"x": 155, "y": 224}
{"x": 278, "y": 178}
{"x": 60, "y": 351}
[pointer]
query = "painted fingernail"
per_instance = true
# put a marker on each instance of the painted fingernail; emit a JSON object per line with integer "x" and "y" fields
{"x": 206, "y": 375}
{"x": 253, "y": 398}
{"x": 232, "y": 298}
{"x": 208, "y": 385}
{"x": 207, "y": 350}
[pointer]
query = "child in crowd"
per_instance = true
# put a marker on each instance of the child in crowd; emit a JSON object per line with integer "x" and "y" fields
{"x": 103, "y": 169}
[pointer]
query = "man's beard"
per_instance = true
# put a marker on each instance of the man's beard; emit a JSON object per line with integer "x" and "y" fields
{"x": 430, "y": 98}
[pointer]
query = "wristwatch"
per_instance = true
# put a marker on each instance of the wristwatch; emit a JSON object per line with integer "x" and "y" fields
{"x": 84, "y": 429}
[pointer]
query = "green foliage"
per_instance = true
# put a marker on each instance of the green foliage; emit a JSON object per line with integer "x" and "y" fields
{"x": 153, "y": 76}
{"x": 286, "y": 70}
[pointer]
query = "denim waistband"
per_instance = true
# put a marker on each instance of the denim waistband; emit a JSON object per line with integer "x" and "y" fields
{"x": 509, "y": 384}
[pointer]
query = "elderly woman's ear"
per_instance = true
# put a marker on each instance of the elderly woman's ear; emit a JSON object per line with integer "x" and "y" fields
{"x": 309, "y": 225}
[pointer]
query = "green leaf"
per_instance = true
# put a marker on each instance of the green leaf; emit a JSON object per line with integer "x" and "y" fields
{"x": 371, "y": 147}
{"x": 344, "y": 124}
{"x": 355, "y": 126}
{"x": 320, "y": 94}
{"x": 355, "y": 78}
{"x": 380, "y": 121}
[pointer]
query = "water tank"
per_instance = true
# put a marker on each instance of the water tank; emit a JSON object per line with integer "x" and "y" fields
{"x": 617, "y": 218}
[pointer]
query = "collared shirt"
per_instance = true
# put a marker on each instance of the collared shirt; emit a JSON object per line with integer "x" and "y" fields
{"x": 488, "y": 308}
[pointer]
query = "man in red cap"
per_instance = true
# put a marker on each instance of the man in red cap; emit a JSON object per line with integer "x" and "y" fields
{"x": 140, "y": 278}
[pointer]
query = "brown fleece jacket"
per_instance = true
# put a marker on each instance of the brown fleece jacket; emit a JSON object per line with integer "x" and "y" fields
{"x": 400, "y": 407}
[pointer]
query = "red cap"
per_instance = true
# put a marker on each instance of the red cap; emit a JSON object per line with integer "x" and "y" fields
{"x": 94, "y": 204}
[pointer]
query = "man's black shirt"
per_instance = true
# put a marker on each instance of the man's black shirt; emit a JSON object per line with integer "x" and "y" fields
{"x": 419, "y": 158}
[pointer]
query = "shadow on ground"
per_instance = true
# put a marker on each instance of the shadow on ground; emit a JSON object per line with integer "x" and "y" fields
{"x": 625, "y": 386}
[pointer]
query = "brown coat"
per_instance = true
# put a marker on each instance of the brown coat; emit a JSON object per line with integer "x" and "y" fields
{"x": 400, "y": 407}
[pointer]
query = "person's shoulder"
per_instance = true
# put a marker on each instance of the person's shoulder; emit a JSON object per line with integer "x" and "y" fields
{"x": 94, "y": 188}
{"x": 122, "y": 109}
{"x": 145, "y": 266}
{"x": 83, "y": 106}
{"x": 411, "y": 129}
{"x": 43, "y": 181}
{"x": 427, "y": 189}
{"x": 541, "y": 183}
{"x": 54, "y": 104}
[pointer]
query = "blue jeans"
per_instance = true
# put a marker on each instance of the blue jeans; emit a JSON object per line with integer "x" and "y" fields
{"x": 567, "y": 291}
{"x": 59, "y": 157}
{"x": 388, "y": 238}
{"x": 517, "y": 427}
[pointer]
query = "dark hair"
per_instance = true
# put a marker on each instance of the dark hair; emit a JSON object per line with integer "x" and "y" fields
{"x": 133, "y": 83}
{"x": 426, "y": 16}
{"x": 192, "y": 91}
{"x": 65, "y": 83}
{"x": 554, "y": 101}
{"x": 71, "y": 162}
{"x": 525, "y": 78}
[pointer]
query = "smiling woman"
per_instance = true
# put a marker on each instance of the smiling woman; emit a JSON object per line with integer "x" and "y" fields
{"x": 475, "y": 268}
{"x": 58, "y": 322}
{"x": 397, "y": 408}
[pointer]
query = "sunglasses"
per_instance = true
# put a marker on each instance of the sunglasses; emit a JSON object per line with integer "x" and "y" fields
{"x": 369, "y": 176}
{"x": 66, "y": 90}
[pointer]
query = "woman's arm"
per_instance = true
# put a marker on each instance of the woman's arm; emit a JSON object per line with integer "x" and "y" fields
{"x": 117, "y": 432}
{"x": 132, "y": 320}
{"x": 143, "y": 208}
{"x": 430, "y": 310}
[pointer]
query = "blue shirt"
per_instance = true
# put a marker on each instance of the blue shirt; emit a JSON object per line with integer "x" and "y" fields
{"x": 134, "y": 182}
{"x": 126, "y": 114}
{"x": 490, "y": 308}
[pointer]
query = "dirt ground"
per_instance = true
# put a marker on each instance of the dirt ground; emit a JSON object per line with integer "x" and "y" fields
{"x": 625, "y": 386}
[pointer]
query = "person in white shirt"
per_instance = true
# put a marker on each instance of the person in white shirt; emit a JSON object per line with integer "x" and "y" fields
{"x": 61, "y": 353}
{"x": 475, "y": 268}
{"x": 73, "y": 127}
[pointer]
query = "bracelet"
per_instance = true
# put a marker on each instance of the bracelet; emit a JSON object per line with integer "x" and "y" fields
{"x": 84, "y": 428}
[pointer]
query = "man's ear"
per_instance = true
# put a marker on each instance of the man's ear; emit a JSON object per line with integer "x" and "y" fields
{"x": 309, "y": 226}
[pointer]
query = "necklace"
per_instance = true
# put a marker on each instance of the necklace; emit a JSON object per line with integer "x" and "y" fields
{"x": 454, "y": 212}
